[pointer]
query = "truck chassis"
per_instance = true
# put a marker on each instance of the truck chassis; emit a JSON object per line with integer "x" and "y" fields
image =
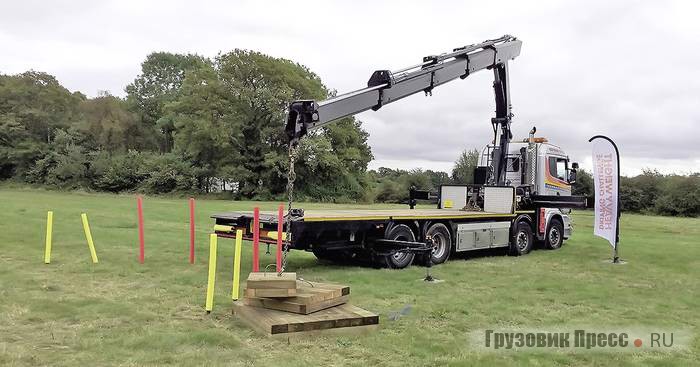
{"x": 389, "y": 237}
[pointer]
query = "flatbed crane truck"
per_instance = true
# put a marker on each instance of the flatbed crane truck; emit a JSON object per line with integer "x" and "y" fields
{"x": 498, "y": 211}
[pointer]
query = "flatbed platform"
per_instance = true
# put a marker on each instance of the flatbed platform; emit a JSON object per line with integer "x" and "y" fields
{"x": 374, "y": 235}
{"x": 368, "y": 215}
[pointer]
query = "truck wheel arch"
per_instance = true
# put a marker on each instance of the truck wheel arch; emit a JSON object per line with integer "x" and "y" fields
{"x": 526, "y": 218}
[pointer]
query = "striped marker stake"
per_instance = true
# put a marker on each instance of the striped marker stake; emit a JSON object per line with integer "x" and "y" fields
{"x": 49, "y": 232}
{"x": 280, "y": 229}
{"x": 191, "y": 230}
{"x": 212, "y": 273}
{"x": 237, "y": 265}
{"x": 256, "y": 239}
{"x": 88, "y": 235}
{"x": 139, "y": 210}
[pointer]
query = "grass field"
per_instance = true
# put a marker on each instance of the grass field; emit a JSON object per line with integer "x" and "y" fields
{"x": 119, "y": 312}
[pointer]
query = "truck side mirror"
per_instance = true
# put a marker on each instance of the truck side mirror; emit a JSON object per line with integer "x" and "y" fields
{"x": 572, "y": 176}
{"x": 574, "y": 165}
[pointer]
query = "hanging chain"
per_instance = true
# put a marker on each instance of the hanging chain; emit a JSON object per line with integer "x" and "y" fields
{"x": 291, "y": 176}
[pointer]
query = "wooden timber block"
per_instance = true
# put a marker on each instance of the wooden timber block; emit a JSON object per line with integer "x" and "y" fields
{"x": 261, "y": 284}
{"x": 270, "y": 293}
{"x": 310, "y": 297}
{"x": 288, "y": 305}
{"x": 262, "y": 280}
{"x": 273, "y": 322}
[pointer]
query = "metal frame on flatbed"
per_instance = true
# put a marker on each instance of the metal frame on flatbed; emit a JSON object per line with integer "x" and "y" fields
{"x": 227, "y": 223}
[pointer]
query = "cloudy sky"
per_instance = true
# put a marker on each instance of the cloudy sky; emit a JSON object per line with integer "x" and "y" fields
{"x": 626, "y": 69}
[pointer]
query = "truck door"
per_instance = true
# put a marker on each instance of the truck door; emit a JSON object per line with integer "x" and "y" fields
{"x": 513, "y": 170}
{"x": 555, "y": 176}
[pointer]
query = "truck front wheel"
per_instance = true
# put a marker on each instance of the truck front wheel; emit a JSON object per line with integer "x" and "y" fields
{"x": 400, "y": 260}
{"x": 555, "y": 234}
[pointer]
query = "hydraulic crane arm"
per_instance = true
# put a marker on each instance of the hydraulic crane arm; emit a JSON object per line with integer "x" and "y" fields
{"x": 386, "y": 86}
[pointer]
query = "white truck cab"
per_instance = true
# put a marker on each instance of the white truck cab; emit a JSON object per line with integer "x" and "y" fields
{"x": 546, "y": 169}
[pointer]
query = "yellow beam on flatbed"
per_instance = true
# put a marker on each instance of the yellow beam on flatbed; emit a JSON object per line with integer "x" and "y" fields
{"x": 405, "y": 217}
{"x": 380, "y": 215}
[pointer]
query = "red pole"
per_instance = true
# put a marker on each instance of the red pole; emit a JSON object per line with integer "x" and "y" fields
{"x": 256, "y": 239}
{"x": 139, "y": 209}
{"x": 191, "y": 230}
{"x": 280, "y": 228}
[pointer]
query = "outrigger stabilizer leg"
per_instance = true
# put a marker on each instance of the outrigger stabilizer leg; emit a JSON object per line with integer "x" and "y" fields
{"x": 419, "y": 248}
{"x": 429, "y": 260}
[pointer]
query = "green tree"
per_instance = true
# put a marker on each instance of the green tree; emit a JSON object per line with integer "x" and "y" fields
{"x": 162, "y": 75}
{"x": 258, "y": 88}
{"x": 205, "y": 126}
{"x": 33, "y": 107}
{"x": 333, "y": 164}
{"x": 228, "y": 116}
{"x": 111, "y": 126}
{"x": 438, "y": 178}
{"x": 584, "y": 184}
{"x": 463, "y": 172}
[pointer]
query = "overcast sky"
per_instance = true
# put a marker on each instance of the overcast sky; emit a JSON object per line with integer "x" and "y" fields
{"x": 626, "y": 69}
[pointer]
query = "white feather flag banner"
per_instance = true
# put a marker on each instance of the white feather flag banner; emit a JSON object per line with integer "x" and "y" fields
{"x": 606, "y": 177}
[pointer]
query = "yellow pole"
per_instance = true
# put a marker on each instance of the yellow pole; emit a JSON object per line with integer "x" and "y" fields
{"x": 212, "y": 273}
{"x": 49, "y": 231}
{"x": 237, "y": 265}
{"x": 221, "y": 228}
{"x": 88, "y": 235}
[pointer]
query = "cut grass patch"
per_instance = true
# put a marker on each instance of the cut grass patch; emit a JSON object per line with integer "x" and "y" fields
{"x": 73, "y": 312}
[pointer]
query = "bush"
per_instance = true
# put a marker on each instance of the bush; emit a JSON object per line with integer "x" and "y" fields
{"x": 632, "y": 198}
{"x": 168, "y": 173}
{"x": 65, "y": 165}
{"x": 679, "y": 195}
{"x": 122, "y": 172}
{"x": 389, "y": 191}
{"x": 393, "y": 185}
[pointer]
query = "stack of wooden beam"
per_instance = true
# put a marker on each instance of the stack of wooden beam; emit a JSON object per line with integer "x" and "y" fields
{"x": 280, "y": 304}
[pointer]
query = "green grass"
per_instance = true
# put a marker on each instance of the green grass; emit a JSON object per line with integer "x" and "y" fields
{"x": 119, "y": 312}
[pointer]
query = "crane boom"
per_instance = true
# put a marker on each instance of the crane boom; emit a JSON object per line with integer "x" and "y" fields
{"x": 386, "y": 86}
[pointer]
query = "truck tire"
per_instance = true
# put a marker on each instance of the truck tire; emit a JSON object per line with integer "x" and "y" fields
{"x": 521, "y": 242}
{"x": 443, "y": 243}
{"x": 399, "y": 260}
{"x": 554, "y": 236}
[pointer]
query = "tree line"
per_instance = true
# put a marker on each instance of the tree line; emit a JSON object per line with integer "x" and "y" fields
{"x": 651, "y": 193}
{"x": 187, "y": 124}
{"x": 192, "y": 124}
